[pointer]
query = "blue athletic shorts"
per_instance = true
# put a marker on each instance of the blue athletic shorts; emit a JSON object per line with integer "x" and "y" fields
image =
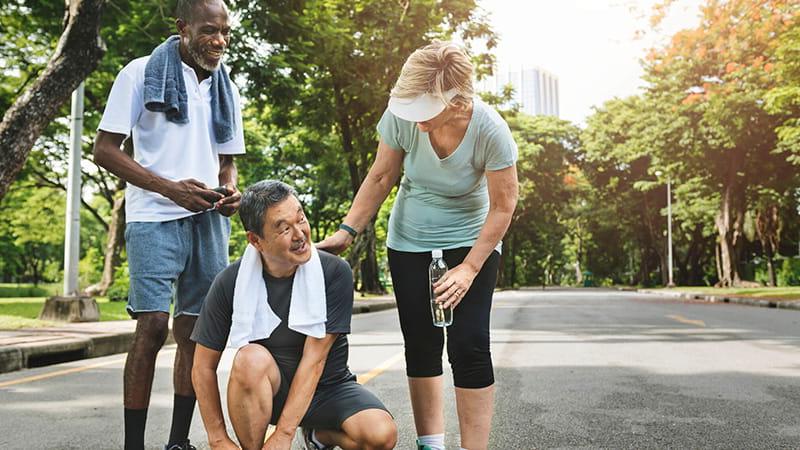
{"x": 176, "y": 259}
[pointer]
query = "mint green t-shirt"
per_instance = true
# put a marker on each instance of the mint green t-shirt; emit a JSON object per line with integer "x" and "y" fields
{"x": 443, "y": 203}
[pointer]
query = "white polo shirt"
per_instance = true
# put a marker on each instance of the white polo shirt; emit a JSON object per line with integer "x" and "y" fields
{"x": 170, "y": 150}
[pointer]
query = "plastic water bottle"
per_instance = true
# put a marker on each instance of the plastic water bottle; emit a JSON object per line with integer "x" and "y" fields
{"x": 442, "y": 316}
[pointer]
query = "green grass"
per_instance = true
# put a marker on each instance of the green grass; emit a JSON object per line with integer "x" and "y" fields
{"x": 20, "y": 312}
{"x": 777, "y": 293}
{"x": 29, "y": 290}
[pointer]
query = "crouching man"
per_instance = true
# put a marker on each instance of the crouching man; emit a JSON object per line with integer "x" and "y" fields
{"x": 287, "y": 308}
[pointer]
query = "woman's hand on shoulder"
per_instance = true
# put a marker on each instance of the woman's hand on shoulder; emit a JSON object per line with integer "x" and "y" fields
{"x": 336, "y": 243}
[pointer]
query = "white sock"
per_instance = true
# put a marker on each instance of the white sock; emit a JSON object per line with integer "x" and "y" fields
{"x": 434, "y": 441}
{"x": 315, "y": 440}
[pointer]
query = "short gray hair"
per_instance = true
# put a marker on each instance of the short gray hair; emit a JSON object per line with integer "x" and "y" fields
{"x": 258, "y": 198}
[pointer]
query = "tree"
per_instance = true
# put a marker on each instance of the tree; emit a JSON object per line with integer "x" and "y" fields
{"x": 128, "y": 34}
{"x": 715, "y": 78}
{"x": 77, "y": 54}
{"x": 784, "y": 98}
{"x": 532, "y": 247}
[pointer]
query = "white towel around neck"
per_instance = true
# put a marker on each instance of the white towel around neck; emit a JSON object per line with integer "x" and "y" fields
{"x": 253, "y": 319}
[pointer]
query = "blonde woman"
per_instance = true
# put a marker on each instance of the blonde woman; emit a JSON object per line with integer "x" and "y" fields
{"x": 458, "y": 193}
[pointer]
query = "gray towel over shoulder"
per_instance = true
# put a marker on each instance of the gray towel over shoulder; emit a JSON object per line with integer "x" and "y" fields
{"x": 165, "y": 90}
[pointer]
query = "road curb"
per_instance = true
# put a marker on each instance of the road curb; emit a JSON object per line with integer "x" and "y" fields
{"x": 763, "y": 303}
{"x": 365, "y": 307}
{"x": 33, "y": 354}
{"x": 26, "y": 355}
{"x": 10, "y": 359}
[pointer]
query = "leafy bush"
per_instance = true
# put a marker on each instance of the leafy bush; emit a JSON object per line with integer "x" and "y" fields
{"x": 789, "y": 272}
{"x": 118, "y": 292}
{"x": 90, "y": 267}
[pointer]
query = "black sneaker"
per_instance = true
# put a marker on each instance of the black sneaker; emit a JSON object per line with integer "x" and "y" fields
{"x": 185, "y": 445}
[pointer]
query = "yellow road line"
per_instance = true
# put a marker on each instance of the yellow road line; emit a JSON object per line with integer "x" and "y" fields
{"x": 58, "y": 373}
{"x": 382, "y": 367}
{"x": 682, "y": 319}
{"x": 363, "y": 378}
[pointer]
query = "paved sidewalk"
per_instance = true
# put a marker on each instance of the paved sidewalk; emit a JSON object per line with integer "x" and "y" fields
{"x": 36, "y": 347}
{"x": 719, "y": 298}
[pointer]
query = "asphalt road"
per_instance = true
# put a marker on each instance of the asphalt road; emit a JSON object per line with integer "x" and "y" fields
{"x": 574, "y": 369}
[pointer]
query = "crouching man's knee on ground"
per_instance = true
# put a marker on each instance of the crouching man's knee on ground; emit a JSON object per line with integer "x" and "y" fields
{"x": 372, "y": 429}
{"x": 253, "y": 382}
{"x": 254, "y": 371}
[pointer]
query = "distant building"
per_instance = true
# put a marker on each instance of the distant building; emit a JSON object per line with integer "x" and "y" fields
{"x": 535, "y": 89}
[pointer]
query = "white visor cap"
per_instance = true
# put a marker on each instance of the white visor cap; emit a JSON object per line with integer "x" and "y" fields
{"x": 420, "y": 108}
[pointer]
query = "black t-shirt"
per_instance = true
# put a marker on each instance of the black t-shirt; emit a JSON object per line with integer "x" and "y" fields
{"x": 286, "y": 345}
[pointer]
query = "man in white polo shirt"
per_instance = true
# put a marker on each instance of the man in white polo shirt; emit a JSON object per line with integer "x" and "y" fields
{"x": 183, "y": 114}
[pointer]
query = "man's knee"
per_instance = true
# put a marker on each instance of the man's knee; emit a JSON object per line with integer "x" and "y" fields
{"x": 182, "y": 328}
{"x": 151, "y": 331}
{"x": 251, "y": 366}
{"x": 373, "y": 429}
{"x": 381, "y": 435}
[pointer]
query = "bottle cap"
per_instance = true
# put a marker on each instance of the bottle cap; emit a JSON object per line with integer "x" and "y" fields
{"x": 436, "y": 253}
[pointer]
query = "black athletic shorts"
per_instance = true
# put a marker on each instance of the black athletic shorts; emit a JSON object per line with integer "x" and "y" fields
{"x": 331, "y": 405}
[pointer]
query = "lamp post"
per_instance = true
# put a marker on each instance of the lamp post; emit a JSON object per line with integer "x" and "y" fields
{"x": 72, "y": 306}
{"x": 670, "y": 283}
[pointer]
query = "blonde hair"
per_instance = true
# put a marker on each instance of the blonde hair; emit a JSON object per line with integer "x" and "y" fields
{"x": 435, "y": 69}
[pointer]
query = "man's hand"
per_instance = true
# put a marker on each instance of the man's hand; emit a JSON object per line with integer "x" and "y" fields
{"x": 278, "y": 441}
{"x": 336, "y": 243}
{"x": 230, "y": 203}
{"x": 224, "y": 444}
{"x": 192, "y": 195}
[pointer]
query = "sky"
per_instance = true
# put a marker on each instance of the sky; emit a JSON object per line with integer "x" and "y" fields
{"x": 590, "y": 45}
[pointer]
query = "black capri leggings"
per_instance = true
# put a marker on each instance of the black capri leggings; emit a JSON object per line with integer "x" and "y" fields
{"x": 468, "y": 336}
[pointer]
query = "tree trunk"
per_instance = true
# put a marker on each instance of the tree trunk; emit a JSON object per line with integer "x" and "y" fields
{"x": 687, "y": 266}
{"x": 78, "y": 52}
{"x": 115, "y": 241}
{"x": 695, "y": 257}
{"x": 644, "y": 266}
{"x": 365, "y": 270}
{"x": 114, "y": 245}
{"x": 773, "y": 280}
{"x": 370, "y": 272}
{"x": 513, "y": 256}
{"x": 35, "y": 272}
{"x": 768, "y": 227}
{"x": 729, "y": 222}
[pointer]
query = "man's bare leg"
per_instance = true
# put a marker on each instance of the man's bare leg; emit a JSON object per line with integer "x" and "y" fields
{"x": 184, "y": 399}
{"x": 151, "y": 332}
{"x": 371, "y": 429}
{"x": 182, "y": 327}
{"x": 253, "y": 382}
